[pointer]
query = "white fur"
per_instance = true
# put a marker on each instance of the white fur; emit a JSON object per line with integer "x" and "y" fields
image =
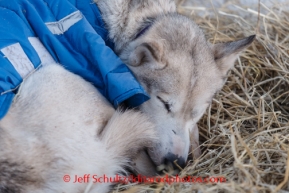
{"x": 54, "y": 128}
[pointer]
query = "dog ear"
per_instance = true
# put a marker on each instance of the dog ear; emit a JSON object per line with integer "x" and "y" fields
{"x": 147, "y": 53}
{"x": 226, "y": 53}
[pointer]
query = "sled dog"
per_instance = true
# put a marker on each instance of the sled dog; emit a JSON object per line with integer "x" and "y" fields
{"x": 60, "y": 126}
{"x": 179, "y": 69}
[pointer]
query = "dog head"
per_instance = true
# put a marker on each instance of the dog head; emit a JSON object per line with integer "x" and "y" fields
{"x": 181, "y": 71}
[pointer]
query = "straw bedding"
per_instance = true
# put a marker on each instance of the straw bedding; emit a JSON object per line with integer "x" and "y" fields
{"x": 245, "y": 132}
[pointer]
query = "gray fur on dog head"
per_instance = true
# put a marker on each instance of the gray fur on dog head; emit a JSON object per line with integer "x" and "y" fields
{"x": 181, "y": 71}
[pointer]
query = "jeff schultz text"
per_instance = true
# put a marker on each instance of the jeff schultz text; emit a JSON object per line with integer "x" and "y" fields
{"x": 87, "y": 178}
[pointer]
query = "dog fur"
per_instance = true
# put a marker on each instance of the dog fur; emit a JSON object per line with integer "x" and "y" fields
{"x": 60, "y": 125}
{"x": 180, "y": 70}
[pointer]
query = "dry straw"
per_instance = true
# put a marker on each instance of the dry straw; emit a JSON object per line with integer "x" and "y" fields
{"x": 245, "y": 132}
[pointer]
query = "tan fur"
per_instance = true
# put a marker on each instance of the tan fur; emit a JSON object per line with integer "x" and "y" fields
{"x": 180, "y": 70}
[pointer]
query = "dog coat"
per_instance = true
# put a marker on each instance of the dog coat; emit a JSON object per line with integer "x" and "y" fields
{"x": 34, "y": 33}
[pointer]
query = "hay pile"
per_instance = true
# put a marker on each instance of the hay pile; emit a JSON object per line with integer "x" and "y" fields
{"x": 245, "y": 132}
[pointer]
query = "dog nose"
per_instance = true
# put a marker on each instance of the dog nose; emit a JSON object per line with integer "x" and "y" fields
{"x": 175, "y": 161}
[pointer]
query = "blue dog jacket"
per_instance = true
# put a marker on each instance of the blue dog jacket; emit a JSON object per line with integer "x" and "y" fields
{"x": 69, "y": 32}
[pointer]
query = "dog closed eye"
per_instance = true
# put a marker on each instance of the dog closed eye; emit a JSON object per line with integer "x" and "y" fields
{"x": 166, "y": 104}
